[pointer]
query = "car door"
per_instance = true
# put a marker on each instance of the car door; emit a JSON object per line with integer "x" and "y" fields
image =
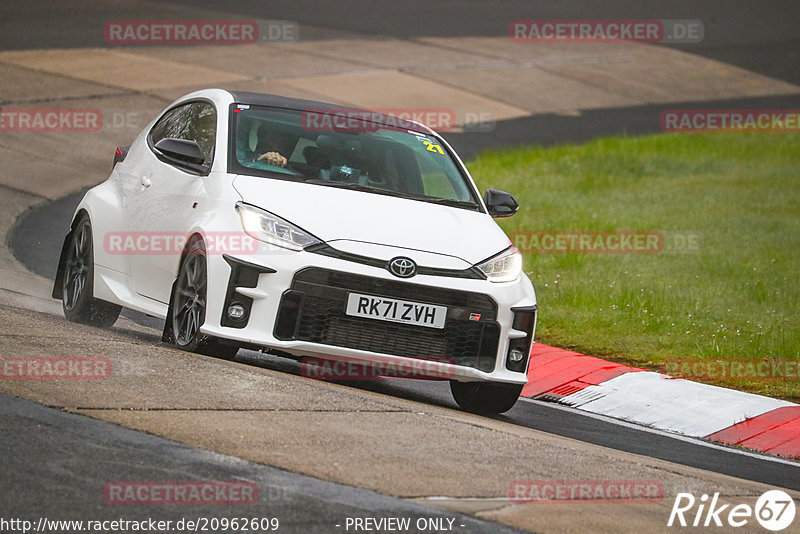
{"x": 159, "y": 210}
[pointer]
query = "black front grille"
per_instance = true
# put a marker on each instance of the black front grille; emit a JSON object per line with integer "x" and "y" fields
{"x": 314, "y": 311}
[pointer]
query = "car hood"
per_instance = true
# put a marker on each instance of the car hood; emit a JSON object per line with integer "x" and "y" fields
{"x": 349, "y": 216}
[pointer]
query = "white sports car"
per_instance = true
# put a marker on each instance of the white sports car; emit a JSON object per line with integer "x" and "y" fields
{"x": 306, "y": 230}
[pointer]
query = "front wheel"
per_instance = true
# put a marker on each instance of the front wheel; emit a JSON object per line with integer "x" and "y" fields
{"x": 188, "y": 312}
{"x": 485, "y": 397}
{"x": 77, "y": 291}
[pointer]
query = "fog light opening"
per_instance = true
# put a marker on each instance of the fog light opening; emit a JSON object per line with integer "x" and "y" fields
{"x": 516, "y": 355}
{"x": 236, "y": 311}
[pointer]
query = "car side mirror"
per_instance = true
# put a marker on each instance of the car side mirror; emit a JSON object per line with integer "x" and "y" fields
{"x": 181, "y": 149}
{"x": 499, "y": 203}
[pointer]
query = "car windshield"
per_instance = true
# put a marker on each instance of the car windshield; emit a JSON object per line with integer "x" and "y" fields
{"x": 321, "y": 147}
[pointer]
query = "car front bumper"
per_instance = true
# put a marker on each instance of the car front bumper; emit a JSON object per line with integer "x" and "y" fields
{"x": 295, "y": 302}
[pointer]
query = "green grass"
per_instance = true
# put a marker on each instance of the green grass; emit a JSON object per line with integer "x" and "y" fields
{"x": 736, "y": 298}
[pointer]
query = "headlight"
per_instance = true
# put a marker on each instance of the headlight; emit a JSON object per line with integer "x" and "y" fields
{"x": 505, "y": 267}
{"x": 269, "y": 228}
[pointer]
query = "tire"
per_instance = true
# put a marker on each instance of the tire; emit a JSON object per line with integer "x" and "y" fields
{"x": 77, "y": 298}
{"x": 485, "y": 397}
{"x": 188, "y": 310}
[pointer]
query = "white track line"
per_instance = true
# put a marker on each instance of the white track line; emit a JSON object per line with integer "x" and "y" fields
{"x": 672, "y": 404}
{"x": 696, "y": 441}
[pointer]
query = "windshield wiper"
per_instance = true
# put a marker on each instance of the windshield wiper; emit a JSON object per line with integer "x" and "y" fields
{"x": 452, "y": 202}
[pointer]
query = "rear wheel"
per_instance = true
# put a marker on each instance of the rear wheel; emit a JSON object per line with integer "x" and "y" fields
{"x": 188, "y": 312}
{"x": 77, "y": 298}
{"x": 485, "y": 397}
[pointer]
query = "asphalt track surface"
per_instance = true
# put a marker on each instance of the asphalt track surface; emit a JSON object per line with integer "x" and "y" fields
{"x": 36, "y": 242}
{"x": 78, "y": 454}
{"x": 762, "y": 37}
{"x": 759, "y": 36}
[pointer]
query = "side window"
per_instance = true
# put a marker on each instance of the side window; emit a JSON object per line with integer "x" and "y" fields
{"x": 195, "y": 121}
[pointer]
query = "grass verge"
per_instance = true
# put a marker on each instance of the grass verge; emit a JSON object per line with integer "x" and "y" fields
{"x": 720, "y": 303}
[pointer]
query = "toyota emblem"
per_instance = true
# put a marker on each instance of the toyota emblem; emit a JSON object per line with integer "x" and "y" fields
{"x": 403, "y": 267}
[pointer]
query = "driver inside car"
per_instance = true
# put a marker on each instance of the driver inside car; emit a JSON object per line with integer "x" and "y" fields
{"x": 275, "y": 144}
{"x": 267, "y": 145}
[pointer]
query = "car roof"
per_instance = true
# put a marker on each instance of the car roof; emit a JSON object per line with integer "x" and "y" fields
{"x": 261, "y": 99}
{"x": 277, "y": 101}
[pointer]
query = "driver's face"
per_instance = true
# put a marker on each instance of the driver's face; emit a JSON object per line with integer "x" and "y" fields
{"x": 281, "y": 143}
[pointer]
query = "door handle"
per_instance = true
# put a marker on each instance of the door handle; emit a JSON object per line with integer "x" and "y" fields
{"x": 146, "y": 182}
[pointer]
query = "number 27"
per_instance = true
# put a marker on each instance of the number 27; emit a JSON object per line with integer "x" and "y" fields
{"x": 433, "y": 148}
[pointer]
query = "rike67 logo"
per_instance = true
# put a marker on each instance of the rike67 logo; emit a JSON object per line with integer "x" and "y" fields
{"x": 774, "y": 510}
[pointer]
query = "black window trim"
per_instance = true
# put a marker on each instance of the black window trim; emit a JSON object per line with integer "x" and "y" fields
{"x": 188, "y": 168}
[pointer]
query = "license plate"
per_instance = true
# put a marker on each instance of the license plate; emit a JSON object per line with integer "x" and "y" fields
{"x": 396, "y": 311}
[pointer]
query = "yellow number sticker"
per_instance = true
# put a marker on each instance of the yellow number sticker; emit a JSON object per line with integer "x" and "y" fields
{"x": 433, "y": 148}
